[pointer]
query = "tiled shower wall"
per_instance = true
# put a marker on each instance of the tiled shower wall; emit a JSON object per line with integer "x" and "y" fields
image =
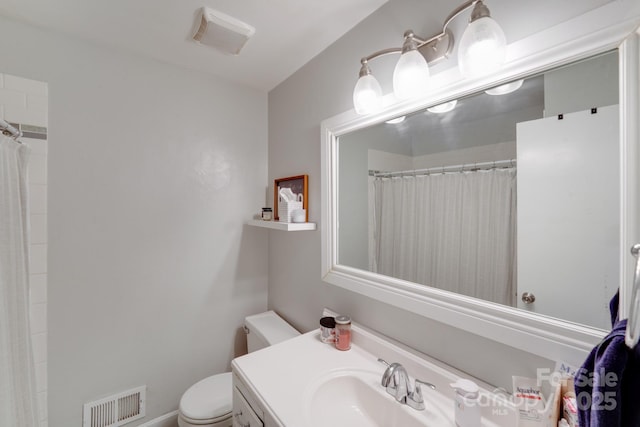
{"x": 24, "y": 103}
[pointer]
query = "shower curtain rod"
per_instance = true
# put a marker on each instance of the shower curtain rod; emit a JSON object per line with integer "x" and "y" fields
{"x": 9, "y": 130}
{"x": 444, "y": 169}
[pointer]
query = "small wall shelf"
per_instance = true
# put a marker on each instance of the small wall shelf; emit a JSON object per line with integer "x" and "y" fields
{"x": 284, "y": 226}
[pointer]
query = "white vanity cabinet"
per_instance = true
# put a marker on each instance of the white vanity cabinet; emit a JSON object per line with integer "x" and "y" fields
{"x": 247, "y": 411}
{"x": 305, "y": 382}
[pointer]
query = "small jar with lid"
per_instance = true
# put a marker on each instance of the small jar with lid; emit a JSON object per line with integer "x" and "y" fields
{"x": 328, "y": 330}
{"x": 267, "y": 214}
{"x": 343, "y": 333}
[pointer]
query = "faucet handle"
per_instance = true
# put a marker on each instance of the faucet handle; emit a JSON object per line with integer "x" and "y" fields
{"x": 415, "y": 399}
{"x": 418, "y": 382}
{"x": 388, "y": 373}
{"x": 384, "y": 362}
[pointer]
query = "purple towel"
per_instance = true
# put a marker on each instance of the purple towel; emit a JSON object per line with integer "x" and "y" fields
{"x": 608, "y": 383}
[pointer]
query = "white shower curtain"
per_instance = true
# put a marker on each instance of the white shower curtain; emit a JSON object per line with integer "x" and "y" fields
{"x": 453, "y": 231}
{"x": 18, "y": 406}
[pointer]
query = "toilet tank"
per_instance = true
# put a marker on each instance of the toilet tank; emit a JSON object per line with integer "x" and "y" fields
{"x": 267, "y": 329}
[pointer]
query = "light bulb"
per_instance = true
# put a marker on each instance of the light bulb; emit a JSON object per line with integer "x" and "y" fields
{"x": 396, "y": 120}
{"x": 482, "y": 49}
{"x": 506, "y": 88}
{"x": 367, "y": 95}
{"x": 411, "y": 75}
{"x": 443, "y": 108}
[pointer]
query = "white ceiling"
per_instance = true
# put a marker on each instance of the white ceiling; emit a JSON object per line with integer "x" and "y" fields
{"x": 288, "y": 32}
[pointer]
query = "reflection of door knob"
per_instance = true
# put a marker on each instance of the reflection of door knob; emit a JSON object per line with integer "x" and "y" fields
{"x": 528, "y": 298}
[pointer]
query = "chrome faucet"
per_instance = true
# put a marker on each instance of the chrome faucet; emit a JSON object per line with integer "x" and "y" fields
{"x": 397, "y": 383}
{"x": 396, "y": 380}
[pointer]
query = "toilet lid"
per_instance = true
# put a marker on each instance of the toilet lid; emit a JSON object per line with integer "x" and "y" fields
{"x": 208, "y": 398}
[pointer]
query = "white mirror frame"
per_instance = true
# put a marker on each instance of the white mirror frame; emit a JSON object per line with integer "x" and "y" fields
{"x": 547, "y": 337}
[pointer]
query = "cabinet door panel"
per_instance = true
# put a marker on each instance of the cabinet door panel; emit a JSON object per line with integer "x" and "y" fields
{"x": 243, "y": 414}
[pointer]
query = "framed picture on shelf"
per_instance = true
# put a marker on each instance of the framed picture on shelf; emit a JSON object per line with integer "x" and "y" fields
{"x": 299, "y": 185}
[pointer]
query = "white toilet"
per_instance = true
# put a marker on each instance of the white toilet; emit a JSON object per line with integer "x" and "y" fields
{"x": 207, "y": 403}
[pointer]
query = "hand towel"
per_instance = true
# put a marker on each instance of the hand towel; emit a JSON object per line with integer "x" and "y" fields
{"x": 607, "y": 385}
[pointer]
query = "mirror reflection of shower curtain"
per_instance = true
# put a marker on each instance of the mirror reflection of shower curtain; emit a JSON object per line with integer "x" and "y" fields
{"x": 18, "y": 405}
{"x": 453, "y": 231}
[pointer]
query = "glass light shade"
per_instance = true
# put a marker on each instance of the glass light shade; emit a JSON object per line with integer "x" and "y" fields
{"x": 443, "y": 108}
{"x": 411, "y": 75}
{"x": 367, "y": 95}
{"x": 396, "y": 120}
{"x": 506, "y": 88}
{"x": 482, "y": 48}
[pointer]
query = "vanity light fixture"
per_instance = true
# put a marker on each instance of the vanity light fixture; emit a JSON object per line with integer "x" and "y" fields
{"x": 443, "y": 108}
{"x": 482, "y": 50}
{"x": 505, "y": 89}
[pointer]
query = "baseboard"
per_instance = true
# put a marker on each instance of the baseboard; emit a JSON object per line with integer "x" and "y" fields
{"x": 166, "y": 420}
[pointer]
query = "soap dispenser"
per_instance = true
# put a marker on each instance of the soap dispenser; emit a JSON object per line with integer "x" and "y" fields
{"x": 467, "y": 410}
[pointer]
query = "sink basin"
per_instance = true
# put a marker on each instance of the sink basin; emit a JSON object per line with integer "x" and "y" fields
{"x": 356, "y": 399}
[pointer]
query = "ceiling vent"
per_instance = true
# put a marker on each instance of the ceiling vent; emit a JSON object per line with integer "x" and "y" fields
{"x": 221, "y": 31}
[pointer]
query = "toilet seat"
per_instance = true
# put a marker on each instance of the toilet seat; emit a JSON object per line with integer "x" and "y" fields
{"x": 205, "y": 423}
{"x": 208, "y": 401}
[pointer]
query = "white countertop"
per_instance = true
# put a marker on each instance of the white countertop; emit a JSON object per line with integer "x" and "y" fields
{"x": 285, "y": 375}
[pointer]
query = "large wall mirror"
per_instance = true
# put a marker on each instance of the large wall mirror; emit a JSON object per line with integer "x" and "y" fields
{"x": 512, "y": 198}
{"x": 506, "y": 208}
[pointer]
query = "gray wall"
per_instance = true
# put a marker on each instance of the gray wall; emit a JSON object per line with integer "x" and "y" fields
{"x": 582, "y": 86}
{"x": 152, "y": 172}
{"x": 322, "y": 89}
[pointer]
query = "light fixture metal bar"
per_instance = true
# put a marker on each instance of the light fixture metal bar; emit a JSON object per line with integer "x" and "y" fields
{"x": 457, "y": 11}
{"x": 380, "y": 53}
{"x": 434, "y": 48}
{"x": 437, "y": 49}
{"x": 447, "y": 21}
